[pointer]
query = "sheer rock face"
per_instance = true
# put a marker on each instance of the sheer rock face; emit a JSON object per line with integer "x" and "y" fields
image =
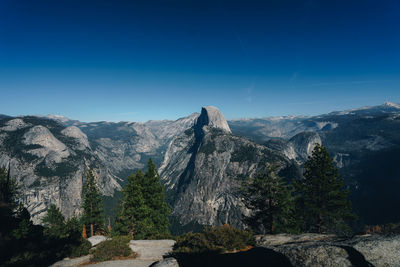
{"x": 211, "y": 116}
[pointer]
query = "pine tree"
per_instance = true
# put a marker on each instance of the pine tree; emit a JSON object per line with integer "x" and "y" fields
{"x": 154, "y": 196}
{"x": 322, "y": 197}
{"x": 92, "y": 205}
{"x": 143, "y": 212}
{"x": 270, "y": 202}
{"x": 8, "y": 202}
{"x": 54, "y": 222}
{"x": 132, "y": 210}
{"x": 8, "y": 189}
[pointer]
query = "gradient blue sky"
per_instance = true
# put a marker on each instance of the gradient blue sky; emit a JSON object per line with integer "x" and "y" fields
{"x": 139, "y": 60}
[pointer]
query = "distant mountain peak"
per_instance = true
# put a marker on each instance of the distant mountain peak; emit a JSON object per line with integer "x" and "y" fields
{"x": 391, "y": 104}
{"x": 212, "y": 116}
{"x": 59, "y": 118}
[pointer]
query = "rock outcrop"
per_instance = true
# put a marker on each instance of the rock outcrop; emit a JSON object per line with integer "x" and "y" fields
{"x": 328, "y": 250}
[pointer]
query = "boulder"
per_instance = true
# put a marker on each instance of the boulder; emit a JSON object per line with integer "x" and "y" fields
{"x": 96, "y": 239}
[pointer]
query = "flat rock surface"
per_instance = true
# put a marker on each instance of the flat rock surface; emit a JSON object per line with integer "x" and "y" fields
{"x": 327, "y": 250}
{"x": 72, "y": 262}
{"x": 124, "y": 263}
{"x": 151, "y": 249}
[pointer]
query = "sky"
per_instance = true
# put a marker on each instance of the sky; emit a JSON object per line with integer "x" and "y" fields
{"x": 139, "y": 60}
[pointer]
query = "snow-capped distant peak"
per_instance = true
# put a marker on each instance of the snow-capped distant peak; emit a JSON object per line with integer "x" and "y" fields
{"x": 391, "y": 104}
{"x": 58, "y": 118}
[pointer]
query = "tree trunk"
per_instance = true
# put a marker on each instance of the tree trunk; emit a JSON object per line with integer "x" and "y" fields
{"x": 109, "y": 226}
{"x": 91, "y": 215}
{"x": 271, "y": 217}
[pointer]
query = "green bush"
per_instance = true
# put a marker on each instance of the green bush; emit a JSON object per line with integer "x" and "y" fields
{"x": 228, "y": 237}
{"x": 81, "y": 249}
{"x": 194, "y": 243}
{"x": 214, "y": 239}
{"x": 109, "y": 249}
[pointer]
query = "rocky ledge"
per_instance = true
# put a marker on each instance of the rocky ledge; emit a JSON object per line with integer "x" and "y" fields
{"x": 328, "y": 250}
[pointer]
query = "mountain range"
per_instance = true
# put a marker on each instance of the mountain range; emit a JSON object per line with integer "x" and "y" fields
{"x": 203, "y": 158}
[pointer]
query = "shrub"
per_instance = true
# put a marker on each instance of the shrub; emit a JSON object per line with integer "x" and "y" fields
{"x": 194, "y": 243}
{"x": 109, "y": 249}
{"x": 81, "y": 249}
{"x": 214, "y": 239}
{"x": 228, "y": 237}
{"x": 159, "y": 236}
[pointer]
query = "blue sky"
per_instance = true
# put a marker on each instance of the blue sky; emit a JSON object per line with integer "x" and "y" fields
{"x": 140, "y": 60}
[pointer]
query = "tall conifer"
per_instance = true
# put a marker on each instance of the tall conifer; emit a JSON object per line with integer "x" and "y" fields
{"x": 323, "y": 200}
{"x": 54, "y": 222}
{"x": 270, "y": 202}
{"x": 154, "y": 196}
{"x": 93, "y": 214}
{"x": 143, "y": 212}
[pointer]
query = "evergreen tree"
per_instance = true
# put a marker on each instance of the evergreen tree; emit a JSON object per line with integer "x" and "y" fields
{"x": 8, "y": 206}
{"x": 92, "y": 205}
{"x": 143, "y": 212}
{"x": 154, "y": 196}
{"x": 132, "y": 210}
{"x": 8, "y": 189}
{"x": 54, "y": 222}
{"x": 322, "y": 197}
{"x": 270, "y": 201}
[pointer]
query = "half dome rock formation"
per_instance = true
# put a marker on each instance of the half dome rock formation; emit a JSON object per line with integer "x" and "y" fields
{"x": 204, "y": 167}
{"x": 211, "y": 116}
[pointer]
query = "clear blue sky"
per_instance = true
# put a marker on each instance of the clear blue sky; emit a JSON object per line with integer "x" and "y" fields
{"x": 139, "y": 60}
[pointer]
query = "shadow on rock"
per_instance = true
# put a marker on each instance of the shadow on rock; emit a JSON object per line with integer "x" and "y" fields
{"x": 255, "y": 257}
{"x": 356, "y": 258}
